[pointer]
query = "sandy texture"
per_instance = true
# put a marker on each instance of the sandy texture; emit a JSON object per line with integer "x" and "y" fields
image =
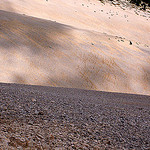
{"x": 35, "y": 117}
{"x": 94, "y": 46}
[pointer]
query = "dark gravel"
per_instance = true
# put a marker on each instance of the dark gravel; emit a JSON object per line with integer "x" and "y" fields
{"x": 36, "y": 117}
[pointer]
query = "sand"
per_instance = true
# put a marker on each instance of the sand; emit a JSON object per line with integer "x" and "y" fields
{"x": 75, "y": 44}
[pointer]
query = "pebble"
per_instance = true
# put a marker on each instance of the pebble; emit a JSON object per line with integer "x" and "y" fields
{"x": 30, "y": 122}
{"x": 33, "y": 100}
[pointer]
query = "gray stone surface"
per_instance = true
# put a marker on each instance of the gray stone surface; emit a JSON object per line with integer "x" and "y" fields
{"x": 36, "y": 117}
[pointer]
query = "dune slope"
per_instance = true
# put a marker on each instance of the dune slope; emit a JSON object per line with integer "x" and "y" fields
{"x": 74, "y": 53}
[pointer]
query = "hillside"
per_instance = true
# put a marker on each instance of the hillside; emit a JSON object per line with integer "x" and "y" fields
{"x": 75, "y": 44}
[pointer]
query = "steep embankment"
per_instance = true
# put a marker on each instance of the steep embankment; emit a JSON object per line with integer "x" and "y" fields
{"x": 90, "y": 49}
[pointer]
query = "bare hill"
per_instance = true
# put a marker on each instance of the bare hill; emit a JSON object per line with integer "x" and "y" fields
{"x": 94, "y": 46}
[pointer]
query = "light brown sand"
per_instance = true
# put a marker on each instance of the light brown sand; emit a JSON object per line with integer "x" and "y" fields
{"x": 87, "y": 50}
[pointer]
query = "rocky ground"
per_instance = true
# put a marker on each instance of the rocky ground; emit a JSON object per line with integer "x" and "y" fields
{"x": 36, "y": 117}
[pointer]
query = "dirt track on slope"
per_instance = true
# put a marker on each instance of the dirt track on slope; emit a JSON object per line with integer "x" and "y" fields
{"x": 59, "y": 118}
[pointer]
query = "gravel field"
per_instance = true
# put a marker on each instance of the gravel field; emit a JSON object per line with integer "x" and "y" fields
{"x": 38, "y": 117}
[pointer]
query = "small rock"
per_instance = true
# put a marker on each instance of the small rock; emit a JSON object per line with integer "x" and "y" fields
{"x": 4, "y": 108}
{"x": 36, "y": 112}
{"x": 33, "y": 100}
{"x": 45, "y": 121}
{"x": 30, "y": 122}
{"x": 40, "y": 113}
{"x": 130, "y": 43}
{"x": 59, "y": 148}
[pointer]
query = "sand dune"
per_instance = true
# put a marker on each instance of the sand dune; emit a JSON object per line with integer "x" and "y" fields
{"x": 68, "y": 44}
